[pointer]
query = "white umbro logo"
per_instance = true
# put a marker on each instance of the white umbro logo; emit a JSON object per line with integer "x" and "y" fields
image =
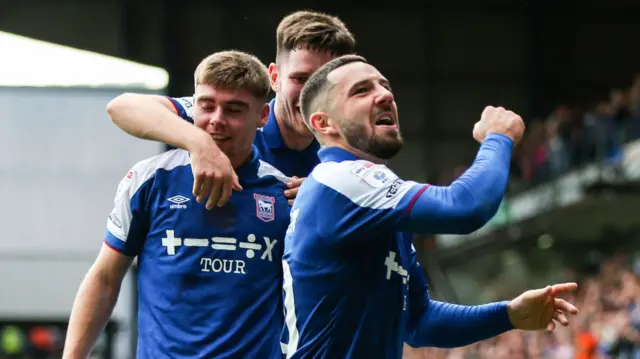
{"x": 178, "y": 201}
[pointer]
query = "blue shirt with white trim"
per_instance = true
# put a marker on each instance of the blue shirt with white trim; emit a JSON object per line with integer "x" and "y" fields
{"x": 352, "y": 285}
{"x": 268, "y": 141}
{"x": 209, "y": 281}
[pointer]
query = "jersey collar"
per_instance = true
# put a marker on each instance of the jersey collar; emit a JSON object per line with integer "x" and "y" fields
{"x": 271, "y": 131}
{"x": 250, "y": 169}
{"x": 335, "y": 154}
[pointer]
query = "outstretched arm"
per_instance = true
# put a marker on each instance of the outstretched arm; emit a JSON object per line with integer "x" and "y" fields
{"x": 445, "y": 325}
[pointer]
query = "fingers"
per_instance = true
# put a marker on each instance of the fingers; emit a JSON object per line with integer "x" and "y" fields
{"x": 207, "y": 182}
{"x": 197, "y": 186}
{"x": 292, "y": 189}
{"x": 236, "y": 182}
{"x": 563, "y": 305}
{"x": 561, "y": 318}
{"x": 558, "y": 289}
{"x": 295, "y": 182}
{"x": 551, "y": 326}
{"x": 214, "y": 194}
{"x": 227, "y": 188}
{"x": 291, "y": 195}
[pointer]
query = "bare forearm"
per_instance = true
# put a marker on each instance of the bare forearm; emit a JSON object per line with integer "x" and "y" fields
{"x": 91, "y": 310}
{"x": 146, "y": 117}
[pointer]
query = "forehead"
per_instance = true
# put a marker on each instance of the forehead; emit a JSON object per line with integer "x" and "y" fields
{"x": 213, "y": 93}
{"x": 352, "y": 73}
{"x": 306, "y": 61}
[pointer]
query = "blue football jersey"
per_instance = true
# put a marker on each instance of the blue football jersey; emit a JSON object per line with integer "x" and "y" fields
{"x": 269, "y": 143}
{"x": 209, "y": 281}
{"x": 344, "y": 264}
{"x": 352, "y": 285}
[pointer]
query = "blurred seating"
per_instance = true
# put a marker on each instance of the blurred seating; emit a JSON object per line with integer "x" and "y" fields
{"x": 570, "y": 138}
{"x": 607, "y": 327}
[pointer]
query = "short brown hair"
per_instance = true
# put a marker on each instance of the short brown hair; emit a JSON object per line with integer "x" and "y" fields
{"x": 313, "y": 31}
{"x": 234, "y": 70}
{"x": 317, "y": 85}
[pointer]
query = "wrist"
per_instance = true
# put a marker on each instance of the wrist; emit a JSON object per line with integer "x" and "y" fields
{"x": 198, "y": 140}
{"x": 501, "y": 135}
{"x": 508, "y": 308}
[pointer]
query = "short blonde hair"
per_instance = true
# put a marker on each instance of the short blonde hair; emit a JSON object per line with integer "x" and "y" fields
{"x": 234, "y": 70}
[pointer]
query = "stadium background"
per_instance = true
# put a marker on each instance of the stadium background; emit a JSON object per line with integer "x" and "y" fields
{"x": 570, "y": 68}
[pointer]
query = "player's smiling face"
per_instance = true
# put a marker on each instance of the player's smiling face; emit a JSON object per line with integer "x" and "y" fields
{"x": 231, "y": 117}
{"x": 288, "y": 77}
{"x": 364, "y": 109}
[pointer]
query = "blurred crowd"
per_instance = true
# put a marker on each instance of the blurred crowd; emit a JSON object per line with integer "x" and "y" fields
{"x": 607, "y": 327}
{"x": 570, "y": 137}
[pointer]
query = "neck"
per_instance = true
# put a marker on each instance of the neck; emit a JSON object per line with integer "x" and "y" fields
{"x": 291, "y": 138}
{"x": 241, "y": 160}
{"x": 357, "y": 153}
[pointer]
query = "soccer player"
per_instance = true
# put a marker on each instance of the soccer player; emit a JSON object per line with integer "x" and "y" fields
{"x": 209, "y": 281}
{"x": 305, "y": 41}
{"x": 353, "y": 288}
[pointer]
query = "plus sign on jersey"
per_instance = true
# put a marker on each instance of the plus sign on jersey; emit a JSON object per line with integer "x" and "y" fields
{"x": 230, "y": 244}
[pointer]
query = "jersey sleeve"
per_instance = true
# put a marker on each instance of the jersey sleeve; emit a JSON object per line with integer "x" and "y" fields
{"x": 445, "y": 325}
{"x": 128, "y": 222}
{"x": 364, "y": 196}
{"x": 183, "y": 107}
{"x": 375, "y": 198}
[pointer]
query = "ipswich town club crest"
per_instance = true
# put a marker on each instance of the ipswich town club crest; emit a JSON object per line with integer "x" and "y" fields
{"x": 265, "y": 207}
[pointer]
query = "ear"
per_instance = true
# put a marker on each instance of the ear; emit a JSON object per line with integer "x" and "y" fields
{"x": 264, "y": 115}
{"x": 273, "y": 76}
{"x": 321, "y": 123}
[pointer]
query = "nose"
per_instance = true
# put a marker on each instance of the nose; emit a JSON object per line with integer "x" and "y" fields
{"x": 217, "y": 117}
{"x": 384, "y": 97}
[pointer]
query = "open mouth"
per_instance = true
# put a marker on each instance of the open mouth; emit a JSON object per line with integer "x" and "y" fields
{"x": 385, "y": 120}
{"x": 220, "y": 137}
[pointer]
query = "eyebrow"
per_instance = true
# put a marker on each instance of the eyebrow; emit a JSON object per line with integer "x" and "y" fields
{"x": 365, "y": 81}
{"x": 230, "y": 102}
{"x": 300, "y": 73}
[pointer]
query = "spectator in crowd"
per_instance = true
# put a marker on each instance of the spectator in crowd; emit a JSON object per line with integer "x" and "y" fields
{"x": 608, "y": 325}
{"x": 568, "y": 139}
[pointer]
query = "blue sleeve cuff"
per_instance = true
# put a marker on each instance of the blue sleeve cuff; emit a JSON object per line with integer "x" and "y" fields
{"x": 180, "y": 110}
{"x": 502, "y": 316}
{"x": 119, "y": 245}
{"x": 500, "y": 138}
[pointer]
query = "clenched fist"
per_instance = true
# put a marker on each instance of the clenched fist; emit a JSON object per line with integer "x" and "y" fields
{"x": 498, "y": 120}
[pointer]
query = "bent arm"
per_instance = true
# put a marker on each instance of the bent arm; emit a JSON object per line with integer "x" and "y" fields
{"x": 155, "y": 118}
{"x": 95, "y": 301}
{"x": 470, "y": 201}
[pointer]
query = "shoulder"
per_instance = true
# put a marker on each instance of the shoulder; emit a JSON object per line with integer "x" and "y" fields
{"x": 363, "y": 183}
{"x": 349, "y": 176}
{"x": 145, "y": 170}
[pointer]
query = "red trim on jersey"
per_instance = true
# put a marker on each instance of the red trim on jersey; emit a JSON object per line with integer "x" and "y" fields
{"x": 173, "y": 103}
{"x": 112, "y": 247}
{"x": 415, "y": 198}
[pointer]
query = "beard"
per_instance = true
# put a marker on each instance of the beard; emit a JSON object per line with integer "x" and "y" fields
{"x": 383, "y": 147}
